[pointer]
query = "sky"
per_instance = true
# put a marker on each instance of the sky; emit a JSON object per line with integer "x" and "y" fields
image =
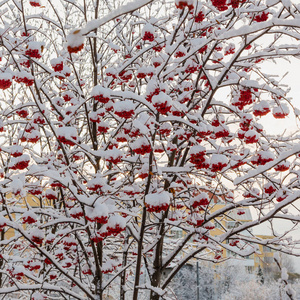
{"x": 289, "y": 125}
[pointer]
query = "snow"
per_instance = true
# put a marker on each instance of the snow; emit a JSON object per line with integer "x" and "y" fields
{"x": 35, "y": 45}
{"x": 125, "y": 105}
{"x": 260, "y": 169}
{"x": 16, "y": 149}
{"x": 148, "y": 28}
{"x": 218, "y": 158}
{"x": 283, "y": 108}
{"x": 36, "y": 232}
{"x": 162, "y": 98}
{"x": 29, "y": 213}
{"x": 24, "y": 74}
{"x": 103, "y": 177}
{"x": 124, "y": 9}
{"x": 157, "y": 199}
{"x": 284, "y": 274}
{"x": 68, "y": 132}
{"x": 56, "y": 61}
{"x": 100, "y": 90}
{"x": 139, "y": 142}
{"x": 5, "y": 76}
{"x": 3, "y": 221}
{"x": 75, "y": 38}
{"x": 113, "y": 154}
{"x": 252, "y": 134}
{"x": 116, "y": 220}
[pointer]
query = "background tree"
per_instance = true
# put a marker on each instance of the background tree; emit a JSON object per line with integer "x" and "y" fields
{"x": 260, "y": 274}
{"x": 127, "y": 121}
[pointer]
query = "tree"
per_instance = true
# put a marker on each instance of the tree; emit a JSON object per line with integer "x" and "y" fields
{"x": 214, "y": 281}
{"x": 116, "y": 131}
{"x": 260, "y": 274}
{"x": 185, "y": 284}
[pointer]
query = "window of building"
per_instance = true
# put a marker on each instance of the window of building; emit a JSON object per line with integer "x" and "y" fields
{"x": 217, "y": 225}
{"x": 176, "y": 234}
{"x": 268, "y": 260}
{"x": 267, "y": 249}
{"x": 231, "y": 224}
{"x": 230, "y": 253}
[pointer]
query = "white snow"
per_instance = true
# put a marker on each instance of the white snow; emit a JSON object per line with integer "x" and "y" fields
{"x": 131, "y": 6}
{"x": 157, "y": 199}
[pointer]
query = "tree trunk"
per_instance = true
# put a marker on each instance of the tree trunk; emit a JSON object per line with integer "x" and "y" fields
{"x": 123, "y": 276}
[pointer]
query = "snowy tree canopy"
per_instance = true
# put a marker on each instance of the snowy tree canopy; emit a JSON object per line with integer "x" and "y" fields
{"x": 132, "y": 135}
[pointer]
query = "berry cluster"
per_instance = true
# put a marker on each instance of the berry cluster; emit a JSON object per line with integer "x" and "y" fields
{"x": 196, "y": 221}
{"x": 162, "y": 107}
{"x": 114, "y": 230}
{"x": 28, "y": 220}
{"x": 279, "y": 115}
{"x": 33, "y": 53}
{"x": 114, "y": 160}
{"x": 154, "y": 93}
{"x": 281, "y": 196}
{"x": 251, "y": 137}
{"x": 37, "y": 240}
{"x": 22, "y": 113}
{"x": 66, "y": 141}
{"x": 125, "y": 76}
{"x": 220, "y": 4}
{"x": 58, "y": 67}
{"x": 20, "y": 165}
{"x": 5, "y": 84}
{"x": 76, "y": 214}
{"x": 260, "y": 160}
{"x": 233, "y": 243}
{"x": 198, "y": 159}
{"x": 35, "y": 3}
{"x": 216, "y": 167}
{"x": 102, "y": 129}
{"x": 157, "y": 208}
{"x": 260, "y": 111}
{"x": 100, "y": 98}
{"x": 269, "y": 189}
{"x": 75, "y": 49}
{"x": 200, "y": 202}
{"x": 141, "y": 75}
{"x": 184, "y": 3}
{"x": 50, "y": 195}
{"x": 38, "y": 120}
{"x": 157, "y": 48}
{"x": 32, "y": 265}
{"x": 282, "y": 167}
{"x": 148, "y": 36}
{"x": 95, "y": 187}
{"x": 26, "y": 80}
{"x": 199, "y": 17}
{"x": 245, "y": 98}
{"x": 221, "y": 132}
{"x": 261, "y": 17}
{"x": 179, "y": 54}
{"x": 16, "y": 274}
{"x": 142, "y": 149}
{"x": 126, "y": 114}
{"x": 25, "y": 63}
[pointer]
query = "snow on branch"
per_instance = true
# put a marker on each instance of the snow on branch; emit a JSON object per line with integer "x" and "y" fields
{"x": 266, "y": 167}
{"x": 157, "y": 290}
{"x": 125, "y": 9}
